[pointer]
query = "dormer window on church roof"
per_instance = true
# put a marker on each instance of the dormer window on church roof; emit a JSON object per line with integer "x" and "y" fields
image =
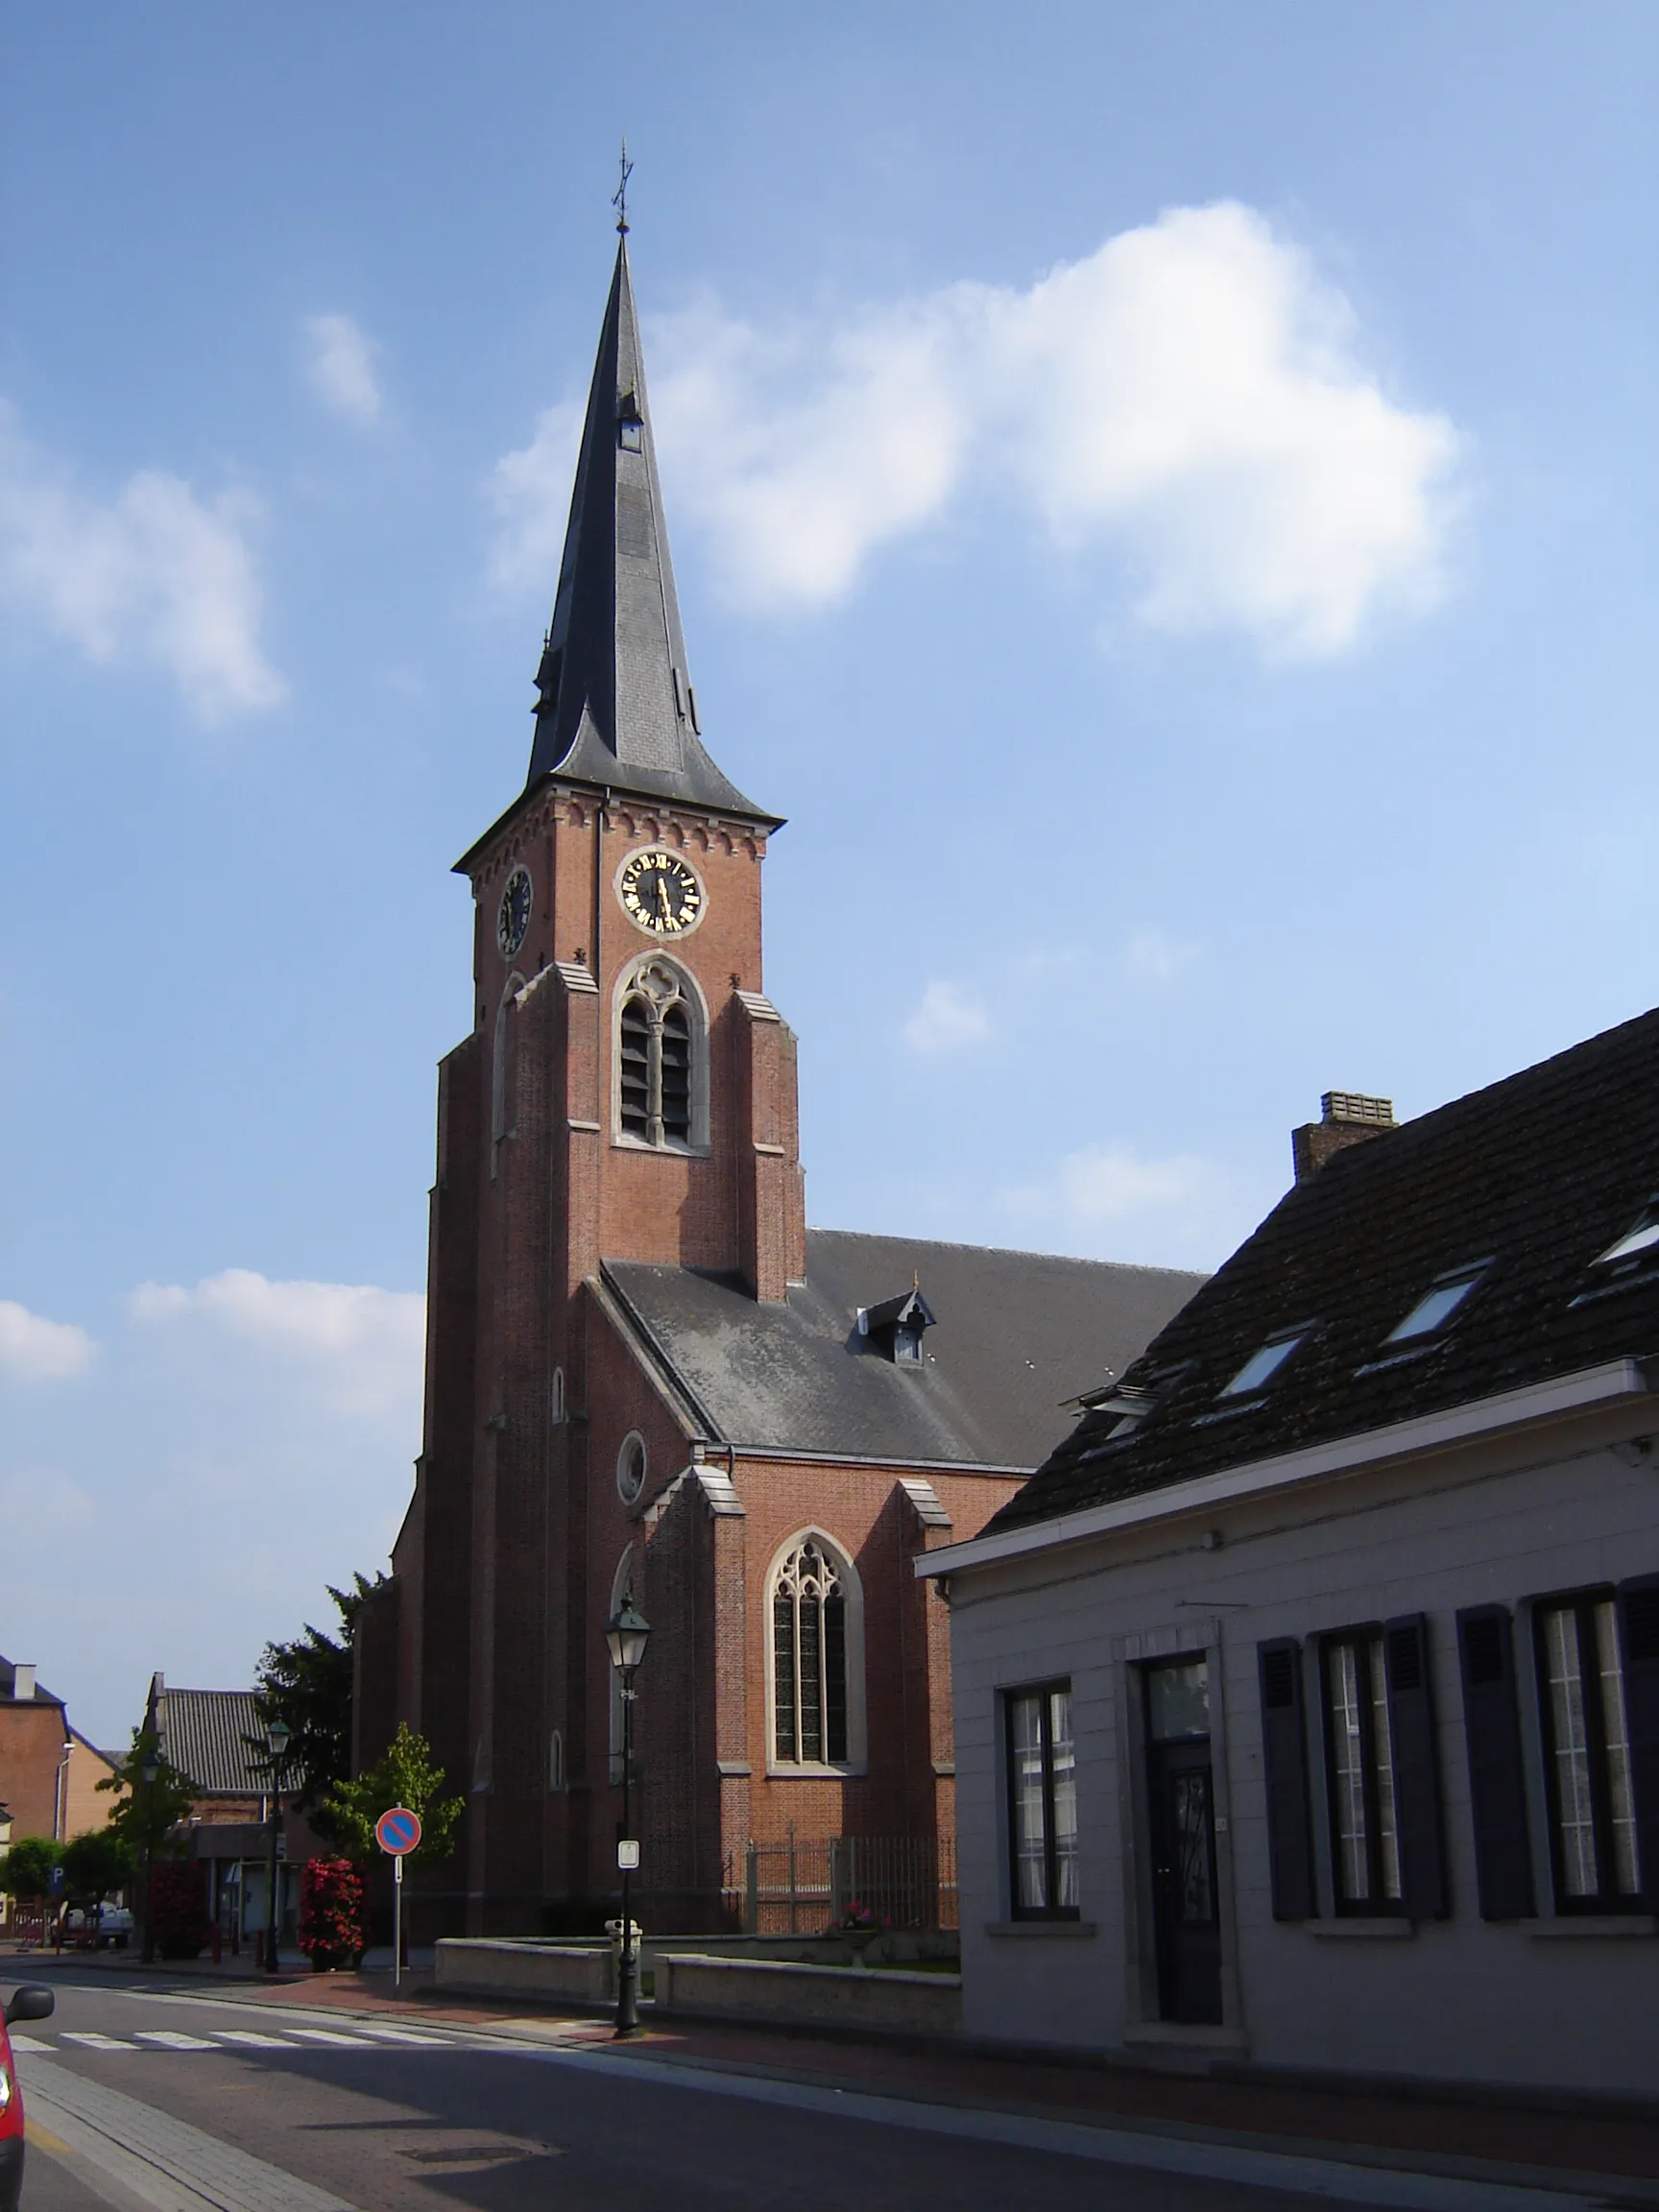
{"x": 894, "y": 1327}
{"x": 630, "y": 425}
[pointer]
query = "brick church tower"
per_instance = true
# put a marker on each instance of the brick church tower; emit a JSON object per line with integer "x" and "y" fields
{"x": 642, "y": 1373}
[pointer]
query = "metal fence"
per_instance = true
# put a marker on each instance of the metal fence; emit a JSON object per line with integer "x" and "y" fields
{"x": 806, "y": 1886}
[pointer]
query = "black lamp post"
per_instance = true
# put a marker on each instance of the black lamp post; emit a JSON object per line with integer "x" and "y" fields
{"x": 151, "y": 1768}
{"x": 276, "y": 1734}
{"x": 626, "y": 1636}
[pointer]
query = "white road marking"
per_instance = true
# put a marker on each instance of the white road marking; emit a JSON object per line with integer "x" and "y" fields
{"x": 170, "y": 2039}
{"x": 255, "y": 2042}
{"x": 94, "y": 2041}
{"x": 23, "y": 2042}
{"x": 408, "y": 2035}
{"x": 327, "y": 2035}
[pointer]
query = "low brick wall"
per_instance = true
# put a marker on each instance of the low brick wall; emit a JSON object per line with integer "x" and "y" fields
{"x": 811, "y": 1996}
{"x": 548, "y": 1972}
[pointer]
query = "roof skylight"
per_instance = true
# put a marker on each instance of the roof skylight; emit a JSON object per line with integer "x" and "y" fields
{"x": 1642, "y": 1239}
{"x": 1438, "y": 1304}
{"x": 1262, "y": 1366}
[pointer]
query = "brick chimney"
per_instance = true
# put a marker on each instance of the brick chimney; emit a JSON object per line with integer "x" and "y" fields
{"x": 1345, "y": 1117}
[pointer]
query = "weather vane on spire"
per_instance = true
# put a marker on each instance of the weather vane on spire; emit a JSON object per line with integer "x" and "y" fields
{"x": 619, "y": 198}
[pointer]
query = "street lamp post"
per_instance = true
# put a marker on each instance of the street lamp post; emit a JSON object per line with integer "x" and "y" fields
{"x": 626, "y": 1636}
{"x": 276, "y": 1734}
{"x": 151, "y": 1768}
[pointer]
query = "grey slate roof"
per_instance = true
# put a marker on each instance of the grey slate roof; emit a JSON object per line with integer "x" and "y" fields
{"x": 201, "y": 1734}
{"x": 1540, "y": 1174}
{"x": 615, "y": 703}
{"x": 1016, "y": 1333}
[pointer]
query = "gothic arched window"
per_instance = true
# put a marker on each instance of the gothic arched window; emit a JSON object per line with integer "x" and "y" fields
{"x": 817, "y": 1670}
{"x": 659, "y": 1053}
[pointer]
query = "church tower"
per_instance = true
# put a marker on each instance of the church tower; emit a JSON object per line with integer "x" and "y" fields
{"x": 645, "y": 1376}
{"x": 627, "y": 1092}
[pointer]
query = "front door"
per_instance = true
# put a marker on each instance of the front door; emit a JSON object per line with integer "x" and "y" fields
{"x": 1179, "y": 1788}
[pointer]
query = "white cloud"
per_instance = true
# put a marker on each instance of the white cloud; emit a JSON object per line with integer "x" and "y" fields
{"x": 341, "y": 367}
{"x": 361, "y": 1345}
{"x": 155, "y": 574}
{"x": 529, "y": 493}
{"x": 1106, "y": 1181}
{"x": 948, "y": 1018}
{"x": 1152, "y": 958}
{"x": 1190, "y": 396}
{"x": 36, "y": 1351}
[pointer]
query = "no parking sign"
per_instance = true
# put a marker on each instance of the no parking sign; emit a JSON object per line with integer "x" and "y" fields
{"x": 397, "y": 1831}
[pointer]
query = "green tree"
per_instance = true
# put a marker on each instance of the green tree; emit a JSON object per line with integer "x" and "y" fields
{"x": 95, "y": 1863}
{"x": 307, "y": 1685}
{"x": 146, "y": 1817}
{"x": 26, "y": 1870}
{"x": 404, "y": 1776}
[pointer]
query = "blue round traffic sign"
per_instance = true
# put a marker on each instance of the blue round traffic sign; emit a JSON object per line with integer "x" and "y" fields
{"x": 398, "y": 1832}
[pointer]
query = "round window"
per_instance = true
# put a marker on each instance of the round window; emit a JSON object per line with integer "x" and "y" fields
{"x": 631, "y": 1468}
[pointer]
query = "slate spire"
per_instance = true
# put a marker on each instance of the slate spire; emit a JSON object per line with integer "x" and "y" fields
{"x": 617, "y": 705}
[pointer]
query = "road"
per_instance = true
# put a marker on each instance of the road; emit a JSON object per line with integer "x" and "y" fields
{"x": 151, "y": 2103}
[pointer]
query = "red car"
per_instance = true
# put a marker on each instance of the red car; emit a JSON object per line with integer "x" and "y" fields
{"x": 30, "y": 2002}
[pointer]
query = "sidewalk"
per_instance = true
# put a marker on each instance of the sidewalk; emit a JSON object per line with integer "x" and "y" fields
{"x": 1422, "y": 2131}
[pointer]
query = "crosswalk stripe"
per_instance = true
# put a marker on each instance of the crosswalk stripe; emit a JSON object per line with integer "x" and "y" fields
{"x": 408, "y": 2035}
{"x": 255, "y": 2042}
{"x": 171, "y": 2039}
{"x": 327, "y": 2035}
{"x": 23, "y": 2042}
{"x": 97, "y": 2042}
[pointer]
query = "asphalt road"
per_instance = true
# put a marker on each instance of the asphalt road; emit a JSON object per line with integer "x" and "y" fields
{"x": 251, "y": 2108}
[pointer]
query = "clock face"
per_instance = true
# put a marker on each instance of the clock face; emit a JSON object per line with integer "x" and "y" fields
{"x": 659, "y": 893}
{"x": 514, "y": 916}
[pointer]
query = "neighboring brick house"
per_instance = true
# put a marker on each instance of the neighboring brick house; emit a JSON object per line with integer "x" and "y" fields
{"x": 213, "y": 1736}
{"x": 49, "y": 1772}
{"x": 1308, "y": 1698}
{"x": 645, "y": 1373}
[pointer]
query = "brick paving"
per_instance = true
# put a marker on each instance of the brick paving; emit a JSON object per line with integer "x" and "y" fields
{"x": 1399, "y": 2125}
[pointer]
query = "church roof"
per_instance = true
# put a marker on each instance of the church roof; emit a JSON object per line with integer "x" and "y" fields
{"x": 1503, "y": 1241}
{"x": 1016, "y": 1335}
{"x": 616, "y": 707}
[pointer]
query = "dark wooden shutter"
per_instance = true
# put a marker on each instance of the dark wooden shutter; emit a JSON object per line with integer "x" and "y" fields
{"x": 1416, "y": 1768}
{"x": 1497, "y": 1779}
{"x": 1285, "y": 1773}
{"x": 1639, "y": 1649}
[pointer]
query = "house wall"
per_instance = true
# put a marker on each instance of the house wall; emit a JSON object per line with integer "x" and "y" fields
{"x": 1541, "y": 2002}
{"x": 85, "y": 1805}
{"x": 32, "y": 1739}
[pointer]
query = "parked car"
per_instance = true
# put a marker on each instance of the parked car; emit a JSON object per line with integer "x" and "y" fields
{"x": 30, "y": 2002}
{"x": 84, "y": 1924}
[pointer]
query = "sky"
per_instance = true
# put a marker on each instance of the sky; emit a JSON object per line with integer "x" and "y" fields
{"x": 1162, "y": 500}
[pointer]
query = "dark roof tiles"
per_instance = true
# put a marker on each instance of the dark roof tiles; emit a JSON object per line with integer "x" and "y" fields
{"x": 1538, "y": 1174}
{"x": 204, "y": 1733}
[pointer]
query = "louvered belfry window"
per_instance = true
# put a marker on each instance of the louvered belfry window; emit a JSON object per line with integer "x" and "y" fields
{"x": 655, "y": 1065}
{"x": 809, "y": 1658}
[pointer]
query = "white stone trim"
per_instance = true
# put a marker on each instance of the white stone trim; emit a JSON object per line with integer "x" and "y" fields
{"x": 1401, "y": 1439}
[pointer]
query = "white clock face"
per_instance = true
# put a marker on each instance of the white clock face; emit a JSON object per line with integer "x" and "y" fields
{"x": 659, "y": 892}
{"x": 513, "y": 916}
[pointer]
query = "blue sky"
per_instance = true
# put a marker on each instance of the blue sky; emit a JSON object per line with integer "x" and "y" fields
{"x": 1161, "y": 498}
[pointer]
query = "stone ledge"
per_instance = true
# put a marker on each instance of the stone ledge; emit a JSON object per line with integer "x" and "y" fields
{"x": 1592, "y": 1924}
{"x": 781, "y": 1991}
{"x": 1041, "y": 1927}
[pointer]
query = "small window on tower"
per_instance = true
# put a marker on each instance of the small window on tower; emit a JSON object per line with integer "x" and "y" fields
{"x": 630, "y": 426}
